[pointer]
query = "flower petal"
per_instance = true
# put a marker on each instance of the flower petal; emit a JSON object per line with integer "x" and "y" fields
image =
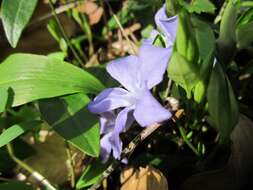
{"x": 125, "y": 70}
{"x": 167, "y": 25}
{"x": 110, "y": 99}
{"x": 154, "y": 61}
{"x": 107, "y": 122}
{"x": 124, "y": 120}
{"x": 149, "y": 111}
{"x": 110, "y": 142}
{"x": 106, "y": 147}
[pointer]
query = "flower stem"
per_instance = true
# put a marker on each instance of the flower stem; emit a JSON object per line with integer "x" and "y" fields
{"x": 70, "y": 165}
{"x": 41, "y": 179}
{"x": 186, "y": 140}
{"x": 79, "y": 60}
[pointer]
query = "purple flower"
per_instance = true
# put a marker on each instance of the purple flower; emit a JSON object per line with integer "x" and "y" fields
{"x": 167, "y": 25}
{"x": 119, "y": 107}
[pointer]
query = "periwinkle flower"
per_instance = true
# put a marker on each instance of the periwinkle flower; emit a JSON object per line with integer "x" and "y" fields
{"x": 119, "y": 107}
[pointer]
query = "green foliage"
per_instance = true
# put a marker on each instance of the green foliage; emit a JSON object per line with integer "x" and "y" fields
{"x": 68, "y": 115}
{"x": 3, "y": 99}
{"x": 16, "y": 130}
{"x": 91, "y": 174}
{"x": 227, "y": 38}
{"x": 33, "y": 77}
{"x": 182, "y": 72}
{"x": 185, "y": 41}
{"x": 222, "y": 103}
{"x": 191, "y": 61}
{"x": 198, "y": 6}
{"x": 15, "y": 16}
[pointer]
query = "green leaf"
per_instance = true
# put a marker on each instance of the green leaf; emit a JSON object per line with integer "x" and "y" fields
{"x": 204, "y": 38}
{"x": 3, "y": 99}
{"x": 101, "y": 74}
{"x": 199, "y": 6}
{"x": 183, "y": 72}
{"x": 185, "y": 40}
{"x": 15, "y": 185}
{"x": 14, "y": 131}
{"x": 199, "y": 91}
{"x": 227, "y": 39}
{"x": 54, "y": 29}
{"x": 70, "y": 118}
{"x": 33, "y": 77}
{"x": 91, "y": 174}
{"x": 15, "y": 16}
{"x": 222, "y": 104}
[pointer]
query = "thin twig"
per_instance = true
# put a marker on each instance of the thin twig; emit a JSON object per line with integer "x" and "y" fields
{"x": 59, "y": 10}
{"x": 36, "y": 175}
{"x": 126, "y": 153}
{"x": 121, "y": 28}
{"x": 65, "y": 35}
{"x": 70, "y": 165}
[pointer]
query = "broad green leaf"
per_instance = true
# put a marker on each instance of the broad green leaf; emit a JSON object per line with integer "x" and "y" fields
{"x": 33, "y": 77}
{"x": 14, "y": 131}
{"x": 3, "y": 99}
{"x": 199, "y": 6}
{"x": 91, "y": 174}
{"x": 204, "y": 38}
{"x": 15, "y": 185}
{"x": 222, "y": 104}
{"x": 183, "y": 72}
{"x": 227, "y": 39}
{"x": 244, "y": 34}
{"x": 70, "y": 118}
{"x": 185, "y": 40}
{"x": 57, "y": 55}
{"x": 205, "y": 41}
{"x": 15, "y": 16}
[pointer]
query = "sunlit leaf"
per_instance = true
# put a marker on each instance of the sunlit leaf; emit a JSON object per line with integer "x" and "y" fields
{"x": 199, "y": 6}
{"x": 15, "y": 16}
{"x": 3, "y": 99}
{"x": 33, "y": 77}
{"x": 91, "y": 174}
{"x": 182, "y": 72}
{"x": 16, "y": 130}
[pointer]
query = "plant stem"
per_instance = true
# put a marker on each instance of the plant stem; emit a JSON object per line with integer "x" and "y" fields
{"x": 126, "y": 153}
{"x": 130, "y": 43}
{"x": 41, "y": 179}
{"x": 87, "y": 30}
{"x": 79, "y": 60}
{"x": 70, "y": 165}
{"x": 186, "y": 140}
